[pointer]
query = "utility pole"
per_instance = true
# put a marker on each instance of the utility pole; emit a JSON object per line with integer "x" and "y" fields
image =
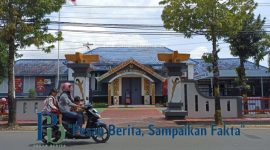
{"x": 58, "y": 55}
{"x": 87, "y": 45}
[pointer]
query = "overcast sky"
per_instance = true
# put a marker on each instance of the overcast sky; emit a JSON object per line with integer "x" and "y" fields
{"x": 86, "y": 11}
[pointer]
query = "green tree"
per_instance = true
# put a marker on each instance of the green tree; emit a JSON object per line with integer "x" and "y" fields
{"x": 214, "y": 19}
{"x": 3, "y": 62}
{"x": 24, "y": 23}
{"x": 251, "y": 42}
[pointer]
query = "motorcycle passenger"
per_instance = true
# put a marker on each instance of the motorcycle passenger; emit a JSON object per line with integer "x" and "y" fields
{"x": 65, "y": 104}
{"x": 80, "y": 102}
{"x": 51, "y": 105}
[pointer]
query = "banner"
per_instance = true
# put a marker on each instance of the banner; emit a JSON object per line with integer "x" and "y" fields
{"x": 40, "y": 84}
{"x": 18, "y": 84}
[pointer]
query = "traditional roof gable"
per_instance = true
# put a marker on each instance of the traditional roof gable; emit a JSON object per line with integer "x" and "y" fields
{"x": 125, "y": 64}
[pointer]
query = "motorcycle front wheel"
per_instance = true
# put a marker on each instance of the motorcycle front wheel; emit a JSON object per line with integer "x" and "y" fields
{"x": 104, "y": 136}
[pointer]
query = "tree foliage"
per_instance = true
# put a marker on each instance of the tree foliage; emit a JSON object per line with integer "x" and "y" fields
{"x": 215, "y": 19}
{"x": 251, "y": 42}
{"x": 24, "y": 23}
{"x": 3, "y": 62}
{"x": 203, "y": 17}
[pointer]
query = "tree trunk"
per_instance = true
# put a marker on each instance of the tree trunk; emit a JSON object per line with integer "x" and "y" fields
{"x": 11, "y": 88}
{"x": 218, "y": 117}
{"x": 243, "y": 84}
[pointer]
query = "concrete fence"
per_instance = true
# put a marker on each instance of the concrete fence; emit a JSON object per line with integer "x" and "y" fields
{"x": 201, "y": 106}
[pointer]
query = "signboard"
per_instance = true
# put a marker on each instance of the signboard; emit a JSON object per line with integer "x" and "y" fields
{"x": 47, "y": 81}
{"x": 40, "y": 84}
{"x": 18, "y": 84}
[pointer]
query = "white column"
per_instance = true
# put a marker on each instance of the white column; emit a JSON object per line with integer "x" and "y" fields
{"x": 190, "y": 71}
{"x": 81, "y": 87}
{"x": 212, "y": 90}
{"x": 142, "y": 86}
{"x": 93, "y": 81}
{"x": 174, "y": 89}
{"x": 262, "y": 87}
{"x": 120, "y": 86}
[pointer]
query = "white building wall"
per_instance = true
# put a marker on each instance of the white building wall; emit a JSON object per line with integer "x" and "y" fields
{"x": 70, "y": 77}
{"x": 202, "y": 113}
{"x": 26, "y": 109}
{"x": 190, "y": 71}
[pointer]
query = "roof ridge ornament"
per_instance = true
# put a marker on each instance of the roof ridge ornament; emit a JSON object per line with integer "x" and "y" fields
{"x": 174, "y": 57}
{"x": 82, "y": 58}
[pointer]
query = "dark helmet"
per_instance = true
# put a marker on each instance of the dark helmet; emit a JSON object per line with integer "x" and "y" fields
{"x": 77, "y": 99}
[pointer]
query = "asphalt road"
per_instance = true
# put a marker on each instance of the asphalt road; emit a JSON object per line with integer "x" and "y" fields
{"x": 250, "y": 139}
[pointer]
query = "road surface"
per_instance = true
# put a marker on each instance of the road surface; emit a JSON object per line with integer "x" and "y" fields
{"x": 250, "y": 139}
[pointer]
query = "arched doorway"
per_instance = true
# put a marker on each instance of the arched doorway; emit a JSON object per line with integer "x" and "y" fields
{"x": 132, "y": 88}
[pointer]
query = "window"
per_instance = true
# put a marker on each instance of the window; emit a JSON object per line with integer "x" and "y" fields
{"x": 185, "y": 91}
{"x": 207, "y": 106}
{"x": 36, "y": 107}
{"x": 24, "y": 107}
{"x": 63, "y": 78}
{"x": 28, "y": 83}
{"x": 4, "y": 86}
{"x": 228, "y": 106}
{"x": 96, "y": 84}
{"x": 196, "y": 103}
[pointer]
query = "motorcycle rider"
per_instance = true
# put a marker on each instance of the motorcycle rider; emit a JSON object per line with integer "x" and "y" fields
{"x": 65, "y": 104}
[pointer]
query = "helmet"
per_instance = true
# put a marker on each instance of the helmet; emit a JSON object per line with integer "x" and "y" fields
{"x": 66, "y": 87}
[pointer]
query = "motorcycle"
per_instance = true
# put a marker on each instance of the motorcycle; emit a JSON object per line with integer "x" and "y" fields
{"x": 93, "y": 122}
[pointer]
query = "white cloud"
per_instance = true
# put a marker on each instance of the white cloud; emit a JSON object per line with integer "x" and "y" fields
{"x": 198, "y": 52}
{"x": 73, "y": 41}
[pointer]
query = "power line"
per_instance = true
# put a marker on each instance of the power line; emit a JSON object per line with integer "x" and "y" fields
{"x": 118, "y": 7}
{"x": 132, "y": 6}
{"x": 40, "y": 50}
{"x": 109, "y": 18}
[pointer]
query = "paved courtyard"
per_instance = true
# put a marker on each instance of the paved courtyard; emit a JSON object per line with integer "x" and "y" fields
{"x": 137, "y": 117}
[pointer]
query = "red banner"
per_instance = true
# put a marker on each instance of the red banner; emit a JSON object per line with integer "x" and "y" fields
{"x": 164, "y": 88}
{"x": 18, "y": 84}
{"x": 40, "y": 84}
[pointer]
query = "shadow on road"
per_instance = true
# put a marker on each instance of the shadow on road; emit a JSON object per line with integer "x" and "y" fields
{"x": 252, "y": 136}
{"x": 66, "y": 143}
{"x": 77, "y": 143}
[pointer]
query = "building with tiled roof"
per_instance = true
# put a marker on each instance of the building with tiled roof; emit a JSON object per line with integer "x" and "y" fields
{"x": 135, "y": 73}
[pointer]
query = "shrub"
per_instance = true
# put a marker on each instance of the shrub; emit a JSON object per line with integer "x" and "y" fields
{"x": 31, "y": 93}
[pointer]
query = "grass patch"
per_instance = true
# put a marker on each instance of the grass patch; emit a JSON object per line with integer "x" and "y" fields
{"x": 100, "y": 109}
{"x": 100, "y": 105}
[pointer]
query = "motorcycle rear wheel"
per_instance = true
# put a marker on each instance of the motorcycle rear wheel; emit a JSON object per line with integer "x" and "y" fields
{"x": 102, "y": 138}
